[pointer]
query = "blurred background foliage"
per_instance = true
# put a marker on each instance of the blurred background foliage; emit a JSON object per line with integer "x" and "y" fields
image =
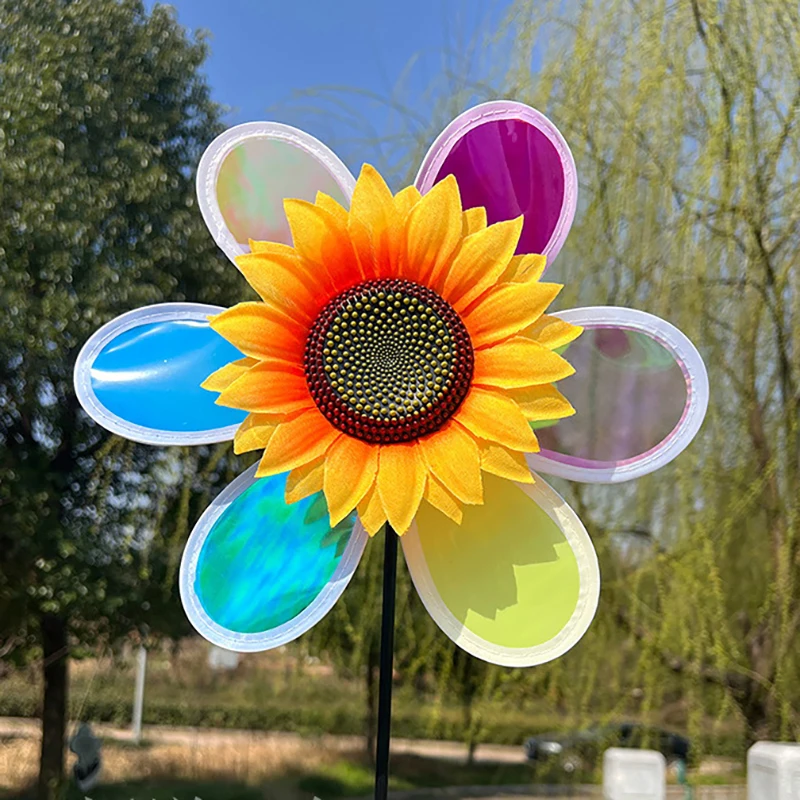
{"x": 682, "y": 120}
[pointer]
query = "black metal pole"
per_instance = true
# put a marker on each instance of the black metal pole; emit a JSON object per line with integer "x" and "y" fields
{"x": 386, "y": 664}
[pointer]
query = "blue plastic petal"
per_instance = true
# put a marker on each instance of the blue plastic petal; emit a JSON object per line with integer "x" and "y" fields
{"x": 140, "y": 375}
{"x": 258, "y": 572}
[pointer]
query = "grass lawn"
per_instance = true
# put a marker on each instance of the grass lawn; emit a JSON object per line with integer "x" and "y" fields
{"x": 159, "y": 790}
{"x": 348, "y": 778}
{"x": 343, "y": 777}
{"x": 251, "y": 768}
{"x": 207, "y": 766}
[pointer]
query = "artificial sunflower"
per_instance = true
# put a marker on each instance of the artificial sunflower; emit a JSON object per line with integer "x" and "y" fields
{"x": 399, "y": 349}
{"x": 400, "y": 352}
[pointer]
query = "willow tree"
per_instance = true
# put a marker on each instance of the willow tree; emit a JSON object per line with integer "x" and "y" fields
{"x": 682, "y": 118}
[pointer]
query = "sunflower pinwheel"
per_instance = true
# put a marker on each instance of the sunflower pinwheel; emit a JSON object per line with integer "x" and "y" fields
{"x": 399, "y": 368}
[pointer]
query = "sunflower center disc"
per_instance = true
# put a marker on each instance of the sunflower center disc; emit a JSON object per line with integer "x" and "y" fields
{"x": 388, "y": 361}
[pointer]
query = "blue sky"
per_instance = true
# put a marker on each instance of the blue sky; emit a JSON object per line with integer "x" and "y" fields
{"x": 263, "y": 50}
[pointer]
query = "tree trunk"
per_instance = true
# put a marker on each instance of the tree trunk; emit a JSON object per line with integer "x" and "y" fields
{"x": 470, "y": 732}
{"x": 472, "y": 746}
{"x": 54, "y": 706}
{"x": 468, "y": 689}
{"x": 758, "y": 710}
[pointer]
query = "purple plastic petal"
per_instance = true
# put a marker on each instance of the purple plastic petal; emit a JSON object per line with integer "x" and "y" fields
{"x": 629, "y": 393}
{"x": 640, "y": 392}
{"x": 510, "y": 159}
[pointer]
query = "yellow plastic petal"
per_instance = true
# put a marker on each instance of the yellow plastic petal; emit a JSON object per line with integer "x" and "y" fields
{"x": 506, "y": 463}
{"x": 261, "y": 332}
{"x": 305, "y": 480}
{"x": 516, "y": 583}
{"x": 552, "y": 332}
{"x": 473, "y": 220}
{"x": 480, "y": 262}
{"x": 540, "y": 403}
{"x": 493, "y": 416}
{"x": 519, "y": 362}
{"x": 350, "y": 469}
{"x": 254, "y": 433}
{"x": 434, "y": 232}
{"x": 297, "y": 441}
{"x": 370, "y": 511}
{"x": 268, "y": 388}
{"x": 440, "y": 498}
{"x": 507, "y": 309}
{"x": 401, "y": 482}
{"x": 453, "y": 457}
{"x": 223, "y": 378}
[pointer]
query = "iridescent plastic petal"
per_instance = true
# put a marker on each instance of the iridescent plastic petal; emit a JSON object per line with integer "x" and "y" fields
{"x": 517, "y": 583}
{"x": 139, "y": 376}
{"x": 510, "y": 159}
{"x": 247, "y": 172}
{"x": 640, "y": 391}
{"x": 258, "y": 572}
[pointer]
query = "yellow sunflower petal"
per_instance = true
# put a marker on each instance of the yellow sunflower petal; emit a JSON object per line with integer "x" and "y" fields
{"x": 453, "y": 457}
{"x": 321, "y": 238}
{"x": 370, "y": 511}
{"x": 297, "y": 441}
{"x": 506, "y": 463}
{"x": 493, "y": 416}
{"x": 539, "y": 403}
{"x": 287, "y": 259}
{"x": 261, "y": 332}
{"x": 406, "y": 199}
{"x": 281, "y": 283}
{"x": 507, "y": 309}
{"x": 552, "y": 332}
{"x": 268, "y": 388}
{"x": 275, "y": 250}
{"x": 350, "y": 469}
{"x": 434, "y": 232}
{"x": 373, "y": 225}
{"x": 254, "y": 433}
{"x": 519, "y": 362}
{"x": 305, "y": 480}
{"x": 223, "y": 378}
{"x": 480, "y": 262}
{"x": 372, "y": 198}
{"x": 440, "y": 498}
{"x": 401, "y": 482}
{"x": 361, "y": 237}
{"x": 525, "y": 268}
{"x": 331, "y": 206}
{"x": 316, "y": 280}
{"x": 473, "y": 220}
